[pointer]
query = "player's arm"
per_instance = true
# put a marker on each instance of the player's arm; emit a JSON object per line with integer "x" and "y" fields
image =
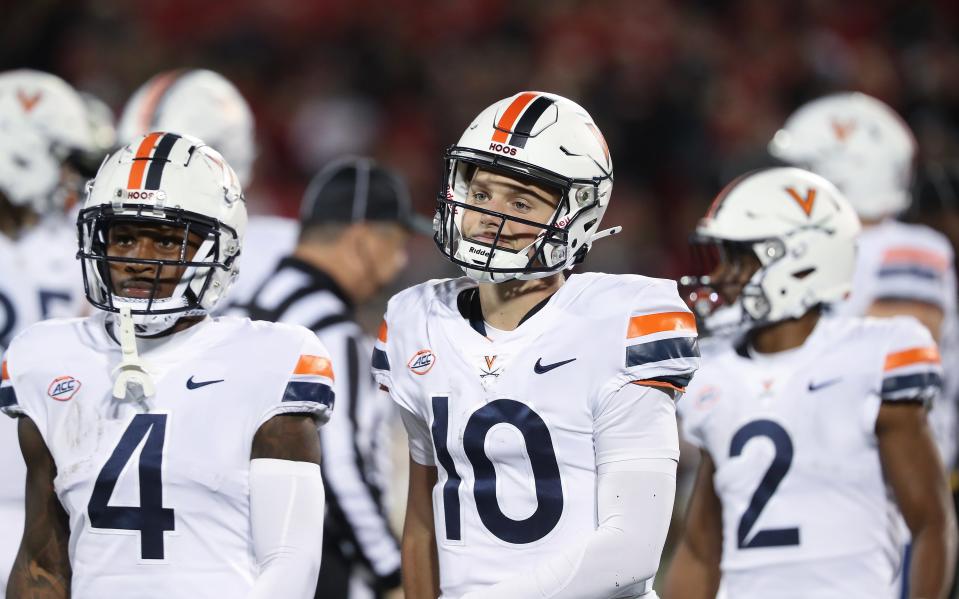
{"x": 911, "y": 464}
{"x": 421, "y": 572}
{"x": 930, "y": 315}
{"x": 694, "y": 572}
{"x": 286, "y": 487}
{"x": 636, "y": 450}
{"x": 42, "y": 566}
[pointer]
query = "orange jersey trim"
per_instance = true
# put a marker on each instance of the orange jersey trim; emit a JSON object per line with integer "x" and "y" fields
{"x": 660, "y": 384}
{"x": 316, "y": 365}
{"x": 135, "y": 180}
{"x": 916, "y": 256}
{"x": 506, "y": 122}
{"x": 657, "y": 323}
{"x": 912, "y": 356}
{"x": 382, "y": 335}
{"x": 4, "y": 373}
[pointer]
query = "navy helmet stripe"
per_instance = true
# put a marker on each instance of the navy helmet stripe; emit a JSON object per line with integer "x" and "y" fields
{"x": 664, "y": 349}
{"x": 307, "y": 391}
{"x": 380, "y": 360}
{"x": 159, "y": 159}
{"x": 526, "y": 122}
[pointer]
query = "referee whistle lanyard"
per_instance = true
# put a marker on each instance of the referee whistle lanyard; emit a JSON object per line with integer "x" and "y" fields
{"x": 132, "y": 382}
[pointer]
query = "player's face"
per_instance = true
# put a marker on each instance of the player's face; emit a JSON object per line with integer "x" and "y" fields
{"x": 512, "y": 197}
{"x": 737, "y": 264}
{"x": 148, "y": 242}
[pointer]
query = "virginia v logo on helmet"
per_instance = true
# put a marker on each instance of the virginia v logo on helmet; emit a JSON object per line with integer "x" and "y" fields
{"x": 549, "y": 144}
{"x": 784, "y": 242}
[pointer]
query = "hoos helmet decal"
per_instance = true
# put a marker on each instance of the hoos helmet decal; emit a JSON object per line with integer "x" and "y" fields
{"x": 542, "y": 144}
{"x": 160, "y": 231}
{"x": 784, "y": 240}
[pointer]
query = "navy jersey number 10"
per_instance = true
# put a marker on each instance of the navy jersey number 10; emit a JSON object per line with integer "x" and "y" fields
{"x": 542, "y": 457}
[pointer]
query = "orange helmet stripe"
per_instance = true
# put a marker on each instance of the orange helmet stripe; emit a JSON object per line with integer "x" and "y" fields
{"x": 506, "y": 122}
{"x": 135, "y": 181}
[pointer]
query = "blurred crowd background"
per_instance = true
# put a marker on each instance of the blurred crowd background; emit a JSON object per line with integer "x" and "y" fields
{"x": 688, "y": 93}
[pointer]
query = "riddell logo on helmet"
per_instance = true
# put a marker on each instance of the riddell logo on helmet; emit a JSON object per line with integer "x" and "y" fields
{"x": 481, "y": 252}
{"x": 495, "y": 147}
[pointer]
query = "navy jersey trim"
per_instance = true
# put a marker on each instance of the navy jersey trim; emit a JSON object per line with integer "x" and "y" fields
{"x": 311, "y": 392}
{"x": 910, "y": 386}
{"x": 8, "y": 397}
{"x": 663, "y": 349}
{"x": 380, "y": 360}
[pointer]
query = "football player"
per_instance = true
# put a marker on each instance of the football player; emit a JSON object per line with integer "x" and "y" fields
{"x": 864, "y": 148}
{"x": 812, "y": 430}
{"x": 44, "y": 150}
{"x": 167, "y": 452}
{"x": 540, "y": 408}
{"x": 205, "y": 104}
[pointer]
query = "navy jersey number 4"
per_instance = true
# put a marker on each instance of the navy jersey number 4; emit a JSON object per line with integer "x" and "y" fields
{"x": 150, "y": 518}
{"x": 542, "y": 457}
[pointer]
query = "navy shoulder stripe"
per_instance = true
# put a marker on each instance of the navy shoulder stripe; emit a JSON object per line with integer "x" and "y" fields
{"x": 309, "y": 391}
{"x": 380, "y": 360}
{"x": 662, "y": 349}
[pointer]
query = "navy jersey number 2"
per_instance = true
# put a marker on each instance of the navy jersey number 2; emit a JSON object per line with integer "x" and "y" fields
{"x": 150, "y": 518}
{"x": 542, "y": 457}
{"x": 778, "y": 537}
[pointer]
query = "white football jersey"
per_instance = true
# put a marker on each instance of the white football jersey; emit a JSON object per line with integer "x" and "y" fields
{"x": 806, "y": 511}
{"x": 267, "y": 240}
{"x": 19, "y": 305}
{"x": 158, "y": 500}
{"x": 512, "y": 420}
{"x": 13, "y": 474}
{"x": 49, "y": 252}
{"x": 913, "y": 262}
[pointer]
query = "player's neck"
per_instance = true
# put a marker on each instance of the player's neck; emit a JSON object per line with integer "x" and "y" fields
{"x": 784, "y": 335}
{"x": 505, "y": 304}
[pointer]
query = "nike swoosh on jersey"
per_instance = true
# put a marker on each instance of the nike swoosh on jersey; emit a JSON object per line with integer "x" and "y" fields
{"x": 191, "y": 384}
{"x": 815, "y": 387}
{"x": 540, "y": 368}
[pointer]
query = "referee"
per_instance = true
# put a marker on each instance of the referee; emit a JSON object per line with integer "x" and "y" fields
{"x": 355, "y": 221}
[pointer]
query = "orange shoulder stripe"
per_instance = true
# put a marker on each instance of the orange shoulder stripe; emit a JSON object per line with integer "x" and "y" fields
{"x": 382, "y": 334}
{"x": 308, "y": 364}
{"x": 4, "y": 374}
{"x": 912, "y": 356}
{"x": 657, "y": 323}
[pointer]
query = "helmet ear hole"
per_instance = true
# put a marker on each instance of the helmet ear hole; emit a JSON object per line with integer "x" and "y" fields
{"x": 802, "y": 274}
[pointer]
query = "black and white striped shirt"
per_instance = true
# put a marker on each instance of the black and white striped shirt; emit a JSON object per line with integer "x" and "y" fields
{"x": 352, "y": 442}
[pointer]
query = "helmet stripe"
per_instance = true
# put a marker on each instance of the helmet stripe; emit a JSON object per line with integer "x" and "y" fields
{"x": 505, "y": 124}
{"x": 525, "y": 125}
{"x": 140, "y": 160}
{"x": 159, "y": 160}
{"x": 157, "y": 90}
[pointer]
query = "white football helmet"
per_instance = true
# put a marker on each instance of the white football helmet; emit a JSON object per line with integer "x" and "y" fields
{"x": 174, "y": 180}
{"x": 195, "y": 102}
{"x": 858, "y": 143}
{"x": 538, "y": 136}
{"x": 42, "y": 112}
{"x": 800, "y": 228}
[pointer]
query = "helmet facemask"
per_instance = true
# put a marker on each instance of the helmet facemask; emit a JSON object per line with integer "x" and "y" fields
{"x": 204, "y": 263}
{"x": 555, "y": 248}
